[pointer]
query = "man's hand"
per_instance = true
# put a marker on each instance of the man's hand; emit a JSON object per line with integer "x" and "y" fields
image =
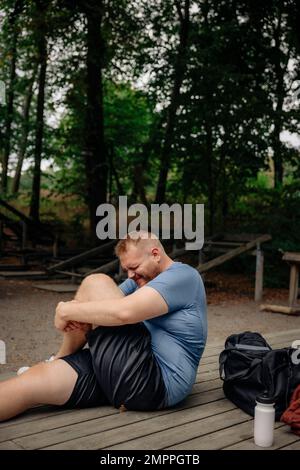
{"x": 59, "y": 322}
{"x": 68, "y": 325}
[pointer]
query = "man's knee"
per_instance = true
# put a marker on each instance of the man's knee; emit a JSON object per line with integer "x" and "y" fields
{"x": 48, "y": 383}
{"x": 98, "y": 287}
{"x": 97, "y": 279}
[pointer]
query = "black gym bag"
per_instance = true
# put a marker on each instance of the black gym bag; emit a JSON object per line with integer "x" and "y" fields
{"x": 249, "y": 368}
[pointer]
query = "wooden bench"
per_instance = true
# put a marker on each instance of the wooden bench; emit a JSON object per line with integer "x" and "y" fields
{"x": 205, "y": 420}
{"x": 293, "y": 259}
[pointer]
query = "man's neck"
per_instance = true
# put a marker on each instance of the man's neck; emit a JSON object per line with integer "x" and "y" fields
{"x": 166, "y": 263}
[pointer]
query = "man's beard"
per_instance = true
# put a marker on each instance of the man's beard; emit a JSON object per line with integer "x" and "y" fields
{"x": 141, "y": 280}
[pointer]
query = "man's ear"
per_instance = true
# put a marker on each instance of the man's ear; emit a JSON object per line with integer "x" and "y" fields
{"x": 156, "y": 253}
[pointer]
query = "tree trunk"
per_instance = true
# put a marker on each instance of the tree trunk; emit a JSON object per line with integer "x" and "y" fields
{"x": 224, "y": 185}
{"x": 11, "y": 91}
{"x": 211, "y": 179}
{"x": 139, "y": 180}
{"x": 139, "y": 184}
{"x": 114, "y": 173}
{"x": 95, "y": 150}
{"x": 23, "y": 143}
{"x": 179, "y": 71}
{"x": 277, "y": 147}
{"x": 208, "y": 125}
{"x": 278, "y": 113}
{"x": 42, "y": 61}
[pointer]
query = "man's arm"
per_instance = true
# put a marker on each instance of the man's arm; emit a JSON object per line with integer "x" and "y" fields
{"x": 143, "y": 304}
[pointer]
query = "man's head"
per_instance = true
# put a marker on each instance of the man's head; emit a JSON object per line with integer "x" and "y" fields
{"x": 142, "y": 256}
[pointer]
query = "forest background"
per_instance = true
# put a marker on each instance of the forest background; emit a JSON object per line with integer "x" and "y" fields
{"x": 164, "y": 101}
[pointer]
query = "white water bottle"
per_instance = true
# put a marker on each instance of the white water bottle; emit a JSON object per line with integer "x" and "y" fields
{"x": 264, "y": 419}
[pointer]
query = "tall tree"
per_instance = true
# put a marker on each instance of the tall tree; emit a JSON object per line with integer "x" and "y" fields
{"x": 95, "y": 150}
{"x": 24, "y": 133}
{"x": 279, "y": 59}
{"x": 178, "y": 76}
{"x": 41, "y": 40}
{"x": 13, "y": 33}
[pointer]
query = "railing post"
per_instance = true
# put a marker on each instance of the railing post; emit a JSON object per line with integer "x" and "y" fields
{"x": 1, "y": 236}
{"x": 294, "y": 281}
{"x": 2, "y": 352}
{"x": 24, "y": 235}
{"x": 259, "y": 274}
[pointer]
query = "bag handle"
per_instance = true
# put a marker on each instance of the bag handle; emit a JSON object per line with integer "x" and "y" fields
{"x": 237, "y": 375}
{"x": 251, "y": 347}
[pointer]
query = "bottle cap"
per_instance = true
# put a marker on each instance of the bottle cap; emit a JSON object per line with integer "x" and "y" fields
{"x": 265, "y": 399}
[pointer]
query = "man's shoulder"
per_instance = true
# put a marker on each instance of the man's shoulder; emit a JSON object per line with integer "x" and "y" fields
{"x": 182, "y": 270}
{"x": 184, "y": 267}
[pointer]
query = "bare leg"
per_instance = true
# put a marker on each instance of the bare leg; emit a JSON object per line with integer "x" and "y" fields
{"x": 46, "y": 383}
{"x": 93, "y": 287}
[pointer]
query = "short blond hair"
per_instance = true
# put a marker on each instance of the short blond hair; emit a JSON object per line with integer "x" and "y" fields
{"x": 134, "y": 238}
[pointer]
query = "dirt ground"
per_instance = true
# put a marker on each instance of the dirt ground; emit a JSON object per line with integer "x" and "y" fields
{"x": 26, "y": 315}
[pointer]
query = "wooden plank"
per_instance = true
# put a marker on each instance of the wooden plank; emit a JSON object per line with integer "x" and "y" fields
{"x": 289, "y": 335}
{"x": 210, "y": 359}
{"x": 207, "y": 376}
{"x": 37, "y": 229}
{"x": 206, "y": 391}
{"x": 282, "y": 436}
{"x": 291, "y": 256}
{"x": 45, "y": 411}
{"x": 220, "y": 439}
{"x": 10, "y": 445}
{"x": 224, "y": 243}
{"x": 294, "y": 282}
{"x": 75, "y": 260}
{"x": 34, "y": 414}
{"x": 71, "y": 274}
{"x": 232, "y": 254}
{"x": 280, "y": 309}
{"x": 294, "y": 446}
{"x": 179, "y": 432}
{"x": 206, "y": 368}
{"x": 259, "y": 275}
{"x": 18, "y": 213}
{"x": 56, "y": 287}
{"x": 74, "y": 433}
{"x": 205, "y": 386}
{"x": 20, "y": 274}
{"x": 240, "y": 237}
{"x": 138, "y": 429}
{"x": 55, "y": 422}
{"x": 105, "y": 268}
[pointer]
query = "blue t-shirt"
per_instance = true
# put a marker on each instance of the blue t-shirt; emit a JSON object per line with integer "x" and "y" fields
{"x": 178, "y": 337}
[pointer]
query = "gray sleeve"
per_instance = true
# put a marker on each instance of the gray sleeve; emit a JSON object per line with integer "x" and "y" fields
{"x": 177, "y": 287}
{"x": 128, "y": 287}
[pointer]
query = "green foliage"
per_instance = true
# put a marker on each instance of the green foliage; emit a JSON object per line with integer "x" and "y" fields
{"x": 239, "y": 93}
{"x": 273, "y": 211}
{"x": 128, "y": 117}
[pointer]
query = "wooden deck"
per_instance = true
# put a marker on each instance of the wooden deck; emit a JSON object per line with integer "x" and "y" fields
{"x": 206, "y": 420}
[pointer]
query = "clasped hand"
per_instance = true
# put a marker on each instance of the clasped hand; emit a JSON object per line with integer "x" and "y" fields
{"x": 68, "y": 325}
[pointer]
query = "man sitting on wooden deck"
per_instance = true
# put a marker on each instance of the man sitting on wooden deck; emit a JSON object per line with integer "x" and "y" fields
{"x": 145, "y": 338}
